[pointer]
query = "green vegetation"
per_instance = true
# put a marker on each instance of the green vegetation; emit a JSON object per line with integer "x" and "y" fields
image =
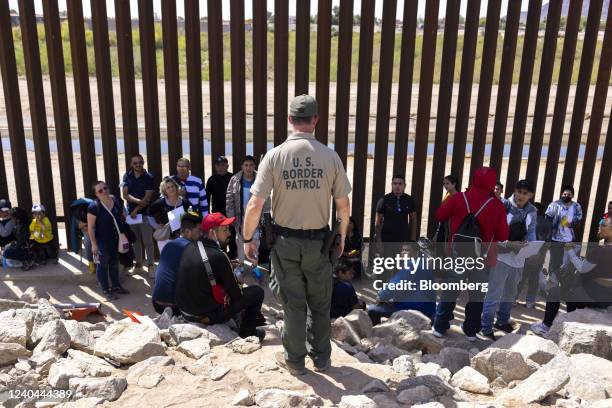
{"x": 313, "y": 46}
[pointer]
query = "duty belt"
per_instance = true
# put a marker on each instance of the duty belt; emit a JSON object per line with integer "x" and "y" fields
{"x": 312, "y": 234}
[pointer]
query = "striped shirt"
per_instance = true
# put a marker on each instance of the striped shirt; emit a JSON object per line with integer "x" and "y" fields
{"x": 196, "y": 194}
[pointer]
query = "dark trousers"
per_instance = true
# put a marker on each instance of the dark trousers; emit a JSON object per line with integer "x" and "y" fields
{"x": 576, "y": 299}
{"x": 531, "y": 278}
{"x": 159, "y": 308}
{"x": 4, "y": 241}
{"x": 231, "y": 245}
{"x": 557, "y": 250}
{"x": 18, "y": 253}
{"x": 380, "y": 310}
{"x": 473, "y": 308}
{"x": 249, "y": 305}
{"x": 44, "y": 251}
{"x": 108, "y": 265}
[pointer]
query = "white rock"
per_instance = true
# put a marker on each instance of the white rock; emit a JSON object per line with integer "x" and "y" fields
{"x": 218, "y": 372}
{"x": 468, "y": 379}
{"x": 13, "y": 330}
{"x": 590, "y": 377}
{"x": 167, "y": 338}
{"x": 10, "y": 352}
{"x": 531, "y": 347}
{"x": 508, "y": 364}
{"x": 417, "y": 320}
{"x": 195, "y": 348}
{"x": 433, "y": 369}
{"x": 246, "y": 346}
{"x": 243, "y": 398}
{"x": 128, "y": 343}
{"x": 80, "y": 336}
{"x": 45, "y": 313}
{"x": 166, "y": 319}
{"x": 401, "y": 333}
{"x": 436, "y": 385}
{"x": 415, "y": 395}
{"x": 549, "y": 379}
{"x": 584, "y": 331}
{"x": 429, "y": 405}
{"x": 79, "y": 365}
{"x": 144, "y": 374}
{"x": 404, "y": 365}
{"x": 41, "y": 362}
{"x": 344, "y": 332}
{"x": 109, "y": 388}
{"x": 360, "y": 322}
{"x": 607, "y": 403}
{"x": 375, "y": 385}
{"x": 356, "y": 401}
{"x": 82, "y": 403}
{"x": 219, "y": 334}
{"x": 202, "y": 366}
{"x": 184, "y": 332}
{"x": 275, "y": 398}
{"x": 55, "y": 338}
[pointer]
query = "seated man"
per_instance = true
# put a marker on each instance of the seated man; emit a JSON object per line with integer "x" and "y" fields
{"x": 390, "y": 301}
{"x": 344, "y": 298}
{"x": 169, "y": 260}
{"x": 206, "y": 289}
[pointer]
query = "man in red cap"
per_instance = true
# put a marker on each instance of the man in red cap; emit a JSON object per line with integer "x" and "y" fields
{"x": 206, "y": 289}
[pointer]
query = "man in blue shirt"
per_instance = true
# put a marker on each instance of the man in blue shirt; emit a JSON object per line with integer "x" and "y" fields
{"x": 169, "y": 261}
{"x": 138, "y": 190}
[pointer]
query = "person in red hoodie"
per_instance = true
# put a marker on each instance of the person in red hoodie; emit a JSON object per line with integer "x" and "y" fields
{"x": 493, "y": 228}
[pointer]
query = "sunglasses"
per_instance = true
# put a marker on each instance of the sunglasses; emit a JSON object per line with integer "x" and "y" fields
{"x": 136, "y": 163}
{"x": 105, "y": 188}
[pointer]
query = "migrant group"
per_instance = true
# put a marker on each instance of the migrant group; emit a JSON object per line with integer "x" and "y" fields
{"x": 124, "y": 231}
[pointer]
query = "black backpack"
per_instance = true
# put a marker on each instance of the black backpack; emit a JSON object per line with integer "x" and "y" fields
{"x": 467, "y": 241}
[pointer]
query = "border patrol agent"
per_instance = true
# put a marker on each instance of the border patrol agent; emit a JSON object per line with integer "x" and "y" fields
{"x": 303, "y": 175}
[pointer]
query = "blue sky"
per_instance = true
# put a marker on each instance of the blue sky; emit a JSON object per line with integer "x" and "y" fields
{"x": 249, "y": 7}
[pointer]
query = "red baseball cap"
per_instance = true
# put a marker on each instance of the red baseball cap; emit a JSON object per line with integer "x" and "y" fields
{"x": 216, "y": 220}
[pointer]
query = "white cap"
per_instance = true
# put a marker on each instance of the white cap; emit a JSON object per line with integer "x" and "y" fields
{"x": 36, "y": 208}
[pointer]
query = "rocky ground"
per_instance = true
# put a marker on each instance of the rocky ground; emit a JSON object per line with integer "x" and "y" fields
{"x": 397, "y": 363}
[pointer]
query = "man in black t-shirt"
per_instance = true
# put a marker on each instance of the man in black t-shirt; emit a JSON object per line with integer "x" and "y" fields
{"x": 395, "y": 215}
{"x": 216, "y": 188}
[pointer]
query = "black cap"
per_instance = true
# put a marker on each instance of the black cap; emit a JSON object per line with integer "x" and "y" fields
{"x": 221, "y": 159}
{"x": 525, "y": 185}
{"x": 5, "y": 204}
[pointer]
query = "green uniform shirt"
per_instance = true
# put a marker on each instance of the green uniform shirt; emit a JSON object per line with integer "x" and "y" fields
{"x": 304, "y": 174}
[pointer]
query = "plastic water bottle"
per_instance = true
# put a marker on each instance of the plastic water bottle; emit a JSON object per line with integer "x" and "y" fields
{"x": 257, "y": 273}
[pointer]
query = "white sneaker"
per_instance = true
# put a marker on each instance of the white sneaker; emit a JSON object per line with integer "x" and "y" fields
{"x": 539, "y": 328}
{"x": 468, "y": 338}
{"x": 437, "y": 333}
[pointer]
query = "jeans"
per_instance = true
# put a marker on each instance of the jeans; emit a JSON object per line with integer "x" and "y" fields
{"x": 503, "y": 282}
{"x": 380, "y": 310}
{"x": 473, "y": 308}
{"x": 87, "y": 247}
{"x": 144, "y": 243}
{"x": 108, "y": 265}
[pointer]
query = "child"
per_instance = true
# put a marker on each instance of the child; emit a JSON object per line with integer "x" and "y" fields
{"x": 7, "y": 225}
{"x": 344, "y": 297}
{"x": 41, "y": 235}
{"x": 390, "y": 301}
{"x": 18, "y": 250}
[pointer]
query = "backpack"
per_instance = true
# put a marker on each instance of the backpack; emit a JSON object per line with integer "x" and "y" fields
{"x": 467, "y": 241}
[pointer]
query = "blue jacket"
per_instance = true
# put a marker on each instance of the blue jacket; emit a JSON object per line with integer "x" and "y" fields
{"x": 421, "y": 300}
